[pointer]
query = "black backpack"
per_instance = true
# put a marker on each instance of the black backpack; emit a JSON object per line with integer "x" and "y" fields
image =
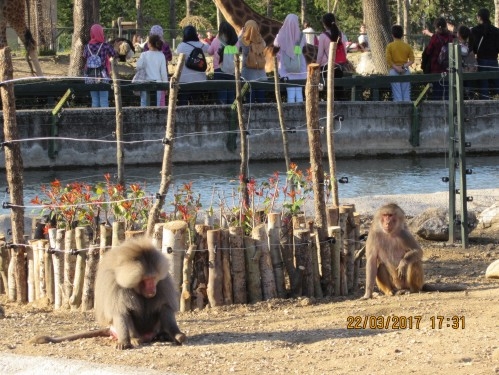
{"x": 196, "y": 59}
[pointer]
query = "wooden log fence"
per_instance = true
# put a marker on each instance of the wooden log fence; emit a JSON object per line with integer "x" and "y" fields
{"x": 221, "y": 267}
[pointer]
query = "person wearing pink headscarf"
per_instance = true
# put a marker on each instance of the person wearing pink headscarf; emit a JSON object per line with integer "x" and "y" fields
{"x": 98, "y": 45}
{"x": 288, "y": 37}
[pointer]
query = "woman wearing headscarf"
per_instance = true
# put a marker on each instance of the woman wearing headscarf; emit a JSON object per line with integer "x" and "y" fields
{"x": 190, "y": 40}
{"x": 158, "y": 30}
{"x": 226, "y": 38}
{"x": 289, "y": 37}
{"x": 251, "y": 35}
{"x": 98, "y": 46}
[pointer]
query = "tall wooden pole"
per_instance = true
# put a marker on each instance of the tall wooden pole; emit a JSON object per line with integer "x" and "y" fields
{"x": 166, "y": 170}
{"x": 14, "y": 168}
{"x": 317, "y": 171}
{"x": 330, "y": 125}
{"x": 120, "y": 155}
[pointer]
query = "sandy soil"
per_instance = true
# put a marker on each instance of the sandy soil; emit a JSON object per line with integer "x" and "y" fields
{"x": 445, "y": 332}
{"x": 298, "y": 336}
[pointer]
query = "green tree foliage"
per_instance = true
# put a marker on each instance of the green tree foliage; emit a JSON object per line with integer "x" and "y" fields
{"x": 348, "y": 13}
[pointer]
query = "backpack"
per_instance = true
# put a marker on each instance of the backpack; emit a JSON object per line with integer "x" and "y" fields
{"x": 341, "y": 53}
{"x": 443, "y": 56}
{"x": 226, "y": 53}
{"x": 256, "y": 56}
{"x": 196, "y": 59}
{"x": 293, "y": 65}
{"x": 469, "y": 60}
{"x": 94, "y": 71}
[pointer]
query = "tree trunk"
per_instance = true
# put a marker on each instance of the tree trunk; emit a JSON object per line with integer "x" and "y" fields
{"x": 377, "y": 22}
{"x": 172, "y": 20}
{"x": 84, "y": 16}
{"x": 69, "y": 266}
{"x": 407, "y": 20}
{"x": 140, "y": 19}
{"x": 14, "y": 169}
{"x": 186, "y": 293}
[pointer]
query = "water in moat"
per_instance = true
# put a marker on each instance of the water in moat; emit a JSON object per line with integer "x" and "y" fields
{"x": 376, "y": 176}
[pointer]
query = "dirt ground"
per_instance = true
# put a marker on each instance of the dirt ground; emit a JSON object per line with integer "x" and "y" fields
{"x": 446, "y": 332}
{"x": 303, "y": 336}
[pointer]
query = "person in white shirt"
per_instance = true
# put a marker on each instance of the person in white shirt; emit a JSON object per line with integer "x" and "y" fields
{"x": 309, "y": 32}
{"x": 154, "y": 63}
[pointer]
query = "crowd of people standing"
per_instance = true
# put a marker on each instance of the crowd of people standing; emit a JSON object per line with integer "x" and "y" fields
{"x": 479, "y": 48}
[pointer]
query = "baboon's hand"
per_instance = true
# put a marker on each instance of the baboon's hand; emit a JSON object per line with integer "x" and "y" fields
{"x": 402, "y": 268}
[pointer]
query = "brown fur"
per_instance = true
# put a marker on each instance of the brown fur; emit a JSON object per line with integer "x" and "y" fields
{"x": 135, "y": 295}
{"x": 394, "y": 257}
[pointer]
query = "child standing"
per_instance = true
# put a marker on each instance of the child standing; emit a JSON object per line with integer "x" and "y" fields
{"x": 154, "y": 63}
{"x": 399, "y": 57}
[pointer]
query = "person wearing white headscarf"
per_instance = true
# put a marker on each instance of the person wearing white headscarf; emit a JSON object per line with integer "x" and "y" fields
{"x": 288, "y": 37}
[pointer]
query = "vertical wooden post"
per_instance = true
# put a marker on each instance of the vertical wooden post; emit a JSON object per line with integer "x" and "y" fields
{"x": 330, "y": 124}
{"x": 118, "y": 235}
{"x": 120, "y": 155}
{"x": 157, "y": 235}
{"x": 11, "y": 276}
{"x": 201, "y": 265}
{"x": 88, "y": 297}
{"x": 42, "y": 288}
{"x": 335, "y": 232}
{"x": 274, "y": 230}
{"x": 267, "y": 275}
{"x": 238, "y": 265}
{"x": 215, "y": 273}
{"x": 343, "y": 253}
{"x": 4, "y": 264}
{"x": 14, "y": 171}
{"x": 243, "y": 134}
{"x": 30, "y": 259}
{"x": 174, "y": 246}
{"x": 81, "y": 260}
{"x": 58, "y": 258}
{"x": 303, "y": 262}
{"x": 227, "y": 277}
{"x": 49, "y": 272}
{"x": 356, "y": 267}
{"x": 166, "y": 169}
{"x": 252, "y": 256}
{"x": 186, "y": 292}
{"x": 69, "y": 265}
{"x": 284, "y": 132}
{"x": 349, "y": 242}
{"x": 317, "y": 171}
{"x": 106, "y": 239}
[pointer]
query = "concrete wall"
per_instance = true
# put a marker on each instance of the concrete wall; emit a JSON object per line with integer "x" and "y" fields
{"x": 202, "y": 132}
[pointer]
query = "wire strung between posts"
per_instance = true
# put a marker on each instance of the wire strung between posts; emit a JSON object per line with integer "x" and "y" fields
{"x": 169, "y": 250}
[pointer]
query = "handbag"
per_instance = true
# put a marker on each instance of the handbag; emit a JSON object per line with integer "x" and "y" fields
{"x": 140, "y": 76}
